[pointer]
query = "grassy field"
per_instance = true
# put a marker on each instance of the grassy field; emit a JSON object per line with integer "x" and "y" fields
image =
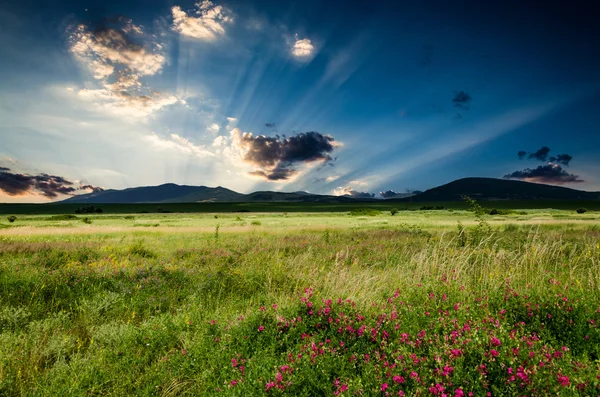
{"x": 383, "y": 205}
{"x": 303, "y": 304}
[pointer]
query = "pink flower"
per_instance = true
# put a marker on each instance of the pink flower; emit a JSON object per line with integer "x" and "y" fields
{"x": 563, "y": 380}
{"x": 269, "y": 386}
{"x": 384, "y": 387}
{"x": 261, "y": 328}
{"x": 494, "y": 353}
{"x": 234, "y": 382}
{"x": 459, "y": 393}
{"x": 495, "y": 341}
{"x": 398, "y": 379}
{"x": 234, "y": 362}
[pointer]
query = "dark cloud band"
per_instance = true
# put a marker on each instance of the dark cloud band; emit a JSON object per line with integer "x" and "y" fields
{"x": 51, "y": 186}
{"x": 550, "y": 173}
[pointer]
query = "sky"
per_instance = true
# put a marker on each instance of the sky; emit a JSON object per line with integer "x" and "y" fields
{"x": 366, "y": 99}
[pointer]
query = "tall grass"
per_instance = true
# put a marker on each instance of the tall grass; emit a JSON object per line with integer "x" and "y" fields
{"x": 164, "y": 314}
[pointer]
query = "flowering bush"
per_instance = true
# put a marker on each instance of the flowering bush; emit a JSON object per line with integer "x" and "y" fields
{"x": 442, "y": 343}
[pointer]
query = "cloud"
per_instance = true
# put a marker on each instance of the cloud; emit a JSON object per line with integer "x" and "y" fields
{"x": 207, "y": 24}
{"x": 303, "y": 48}
{"x": 552, "y": 172}
{"x": 462, "y": 100}
{"x": 118, "y": 61}
{"x": 178, "y": 144}
{"x": 108, "y": 49}
{"x": 542, "y": 155}
{"x": 214, "y": 128}
{"x": 388, "y": 193}
{"x": 348, "y": 191}
{"x": 50, "y": 186}
{"x": 564, "y": 159}
{"x": 549, "y": 173}
{"x": 275, "y": 157}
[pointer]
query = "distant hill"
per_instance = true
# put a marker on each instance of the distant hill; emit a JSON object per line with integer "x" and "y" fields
{"x": 482, "y": 189}
{"x": 167, "y": 193}
{"x": 173, "y": 193}
{"x": 489, "y": 189}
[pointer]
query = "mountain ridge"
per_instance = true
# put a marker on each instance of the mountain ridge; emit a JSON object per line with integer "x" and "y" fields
{"x": 484, "y": 189}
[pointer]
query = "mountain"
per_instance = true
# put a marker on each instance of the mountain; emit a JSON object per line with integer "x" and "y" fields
{"x": 167, "y": 193}
{"x": 489, "y": 189}
{"x": 481, "y": 189}
{"x": 173, "y": 193}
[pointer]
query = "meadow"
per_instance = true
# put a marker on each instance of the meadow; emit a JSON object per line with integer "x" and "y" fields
{"x": 428, "y": 303}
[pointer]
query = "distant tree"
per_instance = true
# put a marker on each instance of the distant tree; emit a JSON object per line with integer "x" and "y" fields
{"x": 11, "y": 218}
{"x": 493, "y": 211}
{"x": 99, "y": 210}
{"x": 581, "y": 210}
{"x": 394, "y": 211}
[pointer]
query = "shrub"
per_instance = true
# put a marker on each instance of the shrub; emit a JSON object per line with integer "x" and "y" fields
{"x": 581, "y": 210}
{"x": 87, "y": 220}
{"x": 394, "y": 211}
{"x": 365, "y": 212}
{"x": 65, "y": 217}
{"x": 494, "y": 212}
{"x": 131, "y": 217}
{"x": 11, "y": 218}
{"x": 256, "y": 223}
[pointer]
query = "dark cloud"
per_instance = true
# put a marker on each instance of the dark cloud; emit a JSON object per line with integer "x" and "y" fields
{"x": 462, "y": 100}
{"x": 94, "y": 189}
{"x": 549, "y": 173}
{"x": 276, "y": 156}
{"x": 541, "y": 154}
{"x": 564, "y": 159}
{"x": 50, "y": 186}
{"x": 275, "y": 175}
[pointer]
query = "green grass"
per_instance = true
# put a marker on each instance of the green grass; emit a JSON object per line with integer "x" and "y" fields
{"x": 301, "y": 304}
{"x": 382, "y": 205}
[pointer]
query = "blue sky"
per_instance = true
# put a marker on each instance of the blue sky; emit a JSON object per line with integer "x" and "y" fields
{"x": 335, "y": 97}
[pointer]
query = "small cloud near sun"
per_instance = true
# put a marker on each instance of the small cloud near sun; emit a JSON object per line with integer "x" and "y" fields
{"x": 303, "y": 48}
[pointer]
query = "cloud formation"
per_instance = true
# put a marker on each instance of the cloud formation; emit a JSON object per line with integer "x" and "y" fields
{"x": 388, "y": 194}
{"x": 206, "y": 23}
{"x": 50, "y": 186}
{"x": 303, "y": 48}
{"x": 350, "y": 192}
{"x": 117, "y": 60}
{"x": 542, "y": 154}
{"x": 551, "y": 173}
{"x": 276, "y": 157}
{"x": 462, "y": 100}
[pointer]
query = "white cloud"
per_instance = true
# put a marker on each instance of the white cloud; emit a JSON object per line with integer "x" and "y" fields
{"x": 179, "y": 144}
{"x": 122, "y": 103}
{"x": 106, "y": 49}
{"x": 118, "y": 64}
{"x": 214, "y": 127}
{"x": 303, "y": 48}
{"x": 231, "y": 123}
{"x": 208, "y": 24}
{"x": 349, "y": 191}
